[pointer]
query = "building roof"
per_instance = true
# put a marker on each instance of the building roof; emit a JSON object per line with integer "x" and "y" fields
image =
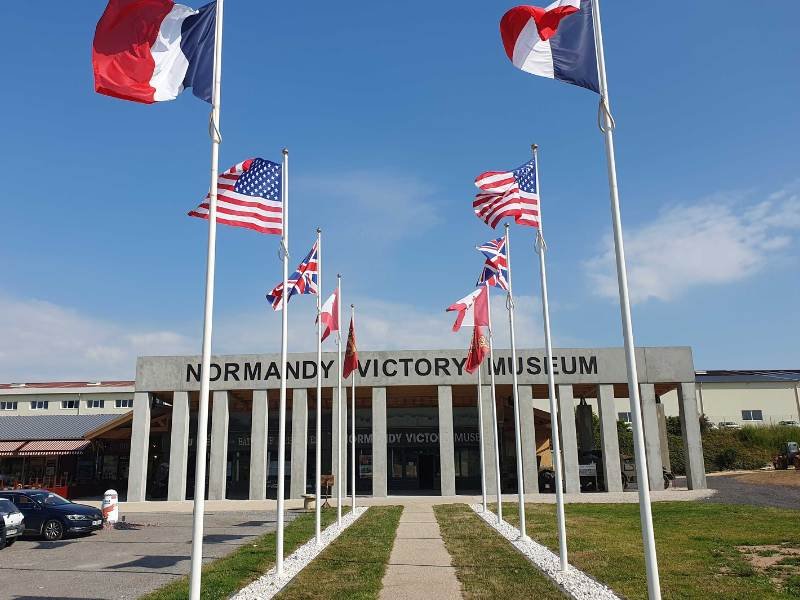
{"x": 51, "y": 427}
{"x": 65, "y": 384}
{"x": 744, "y": 376}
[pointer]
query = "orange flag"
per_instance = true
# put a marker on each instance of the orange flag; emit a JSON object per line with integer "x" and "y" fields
{"x": 351, "y": 353}
{"x": 477, "y": 350}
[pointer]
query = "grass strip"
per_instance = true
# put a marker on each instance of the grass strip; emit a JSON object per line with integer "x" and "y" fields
{"x": 487, "y": 565}
{"x": 354, "y": 564}
{"x": 700, "y": 546}
{"x": 229, "y": 574}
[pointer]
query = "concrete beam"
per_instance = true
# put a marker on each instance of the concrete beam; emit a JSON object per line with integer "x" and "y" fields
{"x": 297, "y": 483}
{"x": 447, "y": 464}
{"x": 530, "y": 469}
{"x": 652, "y": 438}
{"x": 178, "y": 446}
{"x": 140, "y": 447}
{"x": 218, "y": 464}
{"x": 487, "y": 439}
{"x": 569, "y": 439}
{"x": 692, "y": 441}
{"x": 379, "y": 441}
{"x": 609, "y": 439}
{"x": 259, "y": 433}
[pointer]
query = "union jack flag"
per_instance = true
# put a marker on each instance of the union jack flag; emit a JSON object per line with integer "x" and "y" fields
{"x": 305, "y": 280}
{"x": 495, "y": 269}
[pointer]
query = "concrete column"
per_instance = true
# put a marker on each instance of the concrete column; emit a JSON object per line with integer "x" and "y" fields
{"x": 297, "y": 483}
{"x": 178, "y": 446}
{"x": 218, "y": 465}
{"x": 140, "y": 446}
{"x": 334, "y": 436}
{"x": 487, "y": 439}
{"x": 652, "y": 440}
{"x": 259, "y": 433}
{"x": 608, "y": 437}
{"x": 569, "y": 439}
{"x": 530, "y": 469}
{"x": 447, "y": 461}
{"x": 379, "y": 439}
{"x": 692, "y": 442}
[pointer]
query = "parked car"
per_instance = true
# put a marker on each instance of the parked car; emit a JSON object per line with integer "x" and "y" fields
{"x": 790, "y": 423}
{"x": 51, "y": 516}
{"x": 12, "y": 523}
{"x": 728, "y": 425}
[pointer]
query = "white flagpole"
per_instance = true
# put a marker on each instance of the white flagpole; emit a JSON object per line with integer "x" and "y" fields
{"x": 483, "y": 453}
{"x": 495, "y": 434}
{"x": 205, "y": 368}
{"x": 353, "y": 419}
{"x": 551, "y": 380}
{"x": 523, "y": 534}
{"x": 339, "y": 406}
{"x": 318, "y": 448}
{"x": 645, "y": 510}
{"x": 284, "y": 345}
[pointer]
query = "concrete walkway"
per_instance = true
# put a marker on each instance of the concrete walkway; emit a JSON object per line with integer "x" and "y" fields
{"x": 419, "y": 566}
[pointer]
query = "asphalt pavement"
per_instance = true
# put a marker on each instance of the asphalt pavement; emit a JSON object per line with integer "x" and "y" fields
{"x": 146, "y": 552}
{"x": 730, "y": 490}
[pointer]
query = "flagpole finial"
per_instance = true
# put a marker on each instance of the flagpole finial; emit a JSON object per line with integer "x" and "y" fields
{"x": 507, "y": 226}
{"x": 285, "y": 151}
{"x": 319, "y": 230}
{"x": 534, "y": 147}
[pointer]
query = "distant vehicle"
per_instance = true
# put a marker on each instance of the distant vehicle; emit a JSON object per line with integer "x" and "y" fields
{"x": 51, "y": 516}
{"x": 12, "y": 523}
{"x": 789, "y": 455}
{"x": 790, "y": 423}
{"x": 728, "y": 425}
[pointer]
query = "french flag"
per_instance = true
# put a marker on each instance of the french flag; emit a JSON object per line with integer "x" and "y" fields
{"x": 151, "y": 50}
{"x": 555, "y": 42}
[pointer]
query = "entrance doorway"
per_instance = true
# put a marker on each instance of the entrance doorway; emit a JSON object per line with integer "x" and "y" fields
{"x": 414, "y": 470}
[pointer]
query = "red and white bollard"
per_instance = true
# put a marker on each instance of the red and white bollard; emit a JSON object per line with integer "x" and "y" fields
{"x": 110, "y": 507}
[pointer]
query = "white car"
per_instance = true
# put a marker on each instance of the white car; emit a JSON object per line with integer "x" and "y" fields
{"x": 13, "y": 523}
{"x": 790, "y": 423}
{"x": 728, "y": 425}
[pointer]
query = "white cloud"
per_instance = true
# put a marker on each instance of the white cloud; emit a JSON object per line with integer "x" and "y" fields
{"x": 723, "y": 239}
{"x": 44, "y": 341}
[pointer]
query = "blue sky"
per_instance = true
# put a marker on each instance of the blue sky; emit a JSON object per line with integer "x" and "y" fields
{"x": 389, "y": 112}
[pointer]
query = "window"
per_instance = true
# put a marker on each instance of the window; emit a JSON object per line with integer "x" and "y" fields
{"x": 95, "y": 403}
{"x": 39, "y": 404}
{"x": 752, "y": 415}
{"x": 8, "y": 405}
{"x": 69, "y": 404}
{"x": 625, "y": 417}
{"x": 126, "y": 403}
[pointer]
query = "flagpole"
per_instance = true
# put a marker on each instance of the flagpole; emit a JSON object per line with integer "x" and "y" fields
{"x": 483, "y": 452}
{"x": 318, "y": 448}
{"x": 523, "y": 535}
{"x": 353, "y": 419}
{"x": 540, "y": 248}
{"x": 205, "y": 366}
{"x": 494, "y": 410}
{"x": 339, "y": 405}
{"x": 645, "y": 510}
{"x": 284, "y": 344}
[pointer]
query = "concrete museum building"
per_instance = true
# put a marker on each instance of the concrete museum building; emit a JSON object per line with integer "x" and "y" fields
{"x": 417, "y": 425}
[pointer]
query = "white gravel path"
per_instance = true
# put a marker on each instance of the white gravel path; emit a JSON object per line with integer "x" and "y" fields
{"x": 266, "y": 586}
{"x": 574, "y": 582}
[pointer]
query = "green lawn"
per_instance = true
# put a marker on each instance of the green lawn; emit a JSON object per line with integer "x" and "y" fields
{"x": 696, "y": 543}
{"x": 487, "y": 565}
{"x": 230, "y": 573}
{"x": 354, "y": 564}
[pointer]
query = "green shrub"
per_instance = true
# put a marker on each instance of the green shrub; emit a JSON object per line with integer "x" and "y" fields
{"x": 677, "y": 457}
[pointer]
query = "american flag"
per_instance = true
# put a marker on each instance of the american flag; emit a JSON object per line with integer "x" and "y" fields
{"x": 305, "y": 280}
{"x": 495, "y": 269}
{"x": 508, "y": 194}
{"x": 248, "y": 195}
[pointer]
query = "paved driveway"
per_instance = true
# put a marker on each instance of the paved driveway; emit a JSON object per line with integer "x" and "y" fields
{"x": 153, "y": 549}
{"x": 732, "y": 490}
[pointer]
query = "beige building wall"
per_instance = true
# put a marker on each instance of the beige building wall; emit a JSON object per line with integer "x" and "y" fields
{"x": 66, "y": 402}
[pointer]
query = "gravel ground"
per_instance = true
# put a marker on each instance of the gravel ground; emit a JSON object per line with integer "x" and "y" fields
{"x": 574, "y": 582}
{"x": 730, "y": 490}
{"x": 152, "y": 550}
{"x": 269, "y": 584}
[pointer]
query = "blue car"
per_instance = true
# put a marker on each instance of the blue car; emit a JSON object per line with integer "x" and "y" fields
{"x": 51, "y": 516}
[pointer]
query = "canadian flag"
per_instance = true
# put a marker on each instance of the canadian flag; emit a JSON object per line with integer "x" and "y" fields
{"x": 329, "y": 314}
{"x": 473, "y": 310}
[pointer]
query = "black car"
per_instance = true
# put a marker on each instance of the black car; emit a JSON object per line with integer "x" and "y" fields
{"x": 12, "y": 523}
{"x": 51, "y": 516}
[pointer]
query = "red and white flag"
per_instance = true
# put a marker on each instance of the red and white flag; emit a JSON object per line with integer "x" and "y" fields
{"x": 473, "y": 310}
{"x": 329, "y": 314}
{"x": 477, "y": 350}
